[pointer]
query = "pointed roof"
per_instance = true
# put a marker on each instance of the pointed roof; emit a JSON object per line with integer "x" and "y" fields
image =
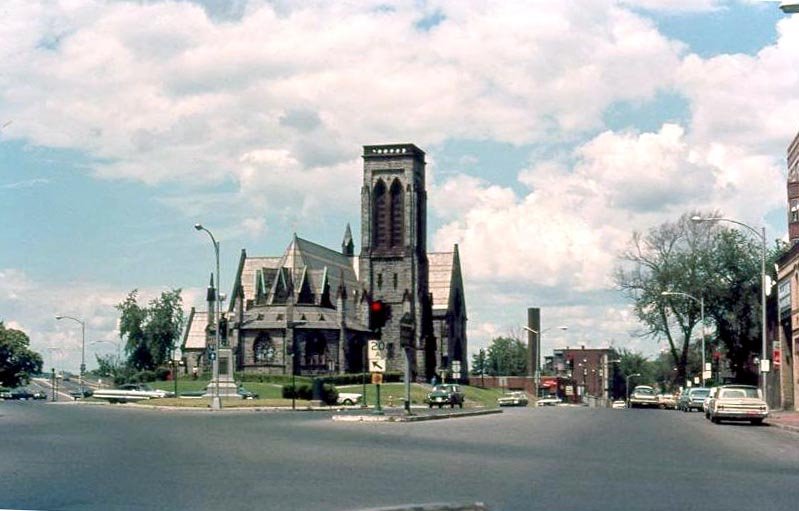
{"x": 347, "y": 236}
{"x": 194, "y": 337}
{"x": 444, "y": 275}
{"x": 302, "y": 260}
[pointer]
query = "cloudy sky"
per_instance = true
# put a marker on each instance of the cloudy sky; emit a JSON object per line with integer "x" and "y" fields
{"x": 553, "y": 130}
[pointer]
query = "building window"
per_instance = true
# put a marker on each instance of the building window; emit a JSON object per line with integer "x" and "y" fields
{"x": 380, "y": 217}
{"x": 390, "y": 350}
{"x": 396, "y": 214}
{"x": 263, "y": 350}
{"x": 396, "y": 280}
{"x": 379, "y": 281}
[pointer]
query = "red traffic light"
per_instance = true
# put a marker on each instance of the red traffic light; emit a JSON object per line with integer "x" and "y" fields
{"x": 378, "y": 314}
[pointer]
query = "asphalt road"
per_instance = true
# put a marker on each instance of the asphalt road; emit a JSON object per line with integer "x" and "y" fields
{"x": 60, "y": 456}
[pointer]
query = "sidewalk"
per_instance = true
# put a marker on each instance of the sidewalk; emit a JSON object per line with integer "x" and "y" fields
{"x": 784, "y": 420}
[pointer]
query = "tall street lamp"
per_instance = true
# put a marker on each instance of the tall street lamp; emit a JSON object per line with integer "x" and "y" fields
{"x": 701, "y": 301}
{"x": 82, "y": 347}
{"x": 216, "y": 401}
{"x": 627, "y": 386}
{"x": 537, "y": 361}
{"x": 762, "y": 235}
{"x": 790, "y": 7}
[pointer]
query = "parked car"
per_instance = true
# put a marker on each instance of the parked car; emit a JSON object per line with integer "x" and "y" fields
{"x": 548, "y": 401}
{"x": 643, "y": 396}
{"x": 5, "y": 393}
{"x": 619, "y": 403}
{"x": 349, "y": 398}
{"x": 666, "y": 401}
{"x": 21, "y": 394}
{"x": 738, "y": 403}
{"x": 131, "y": 392}
{"x": 693, "y": 399}
{"x": 709, "y": 401}
{"x": 445, "y": 394}
{"x": 81, "y": 393}
{"x": 513, "y": 399}
{"x": 38, "y": 394}
{"x": 246, "y": 394}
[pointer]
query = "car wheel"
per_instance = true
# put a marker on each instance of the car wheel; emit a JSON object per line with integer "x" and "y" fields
{"x": 440, "y": 407}
{"x": 715, "y": 420}
{"x": 348, "y": 402}
{"x": 461, "y": 404}
{"x": 756, "y": 422}
{"x": 431, "y": 406}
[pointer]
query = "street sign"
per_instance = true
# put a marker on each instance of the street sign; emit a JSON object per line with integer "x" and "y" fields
{"x": 765, "y": 365}
{"x": 456, "y": 366}
{"x": 708, "y": 366}
{"x": 707, "y": 375}
{"x": 377, "y": 378}
{"x": 377, "y": 356}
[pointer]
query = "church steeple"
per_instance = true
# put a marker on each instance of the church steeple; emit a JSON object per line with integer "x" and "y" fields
{"x": 347, "y": 245}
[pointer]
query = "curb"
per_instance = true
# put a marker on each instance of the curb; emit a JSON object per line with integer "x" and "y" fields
{"x": 786, "y": 427}
{"x": 412, "y": 418}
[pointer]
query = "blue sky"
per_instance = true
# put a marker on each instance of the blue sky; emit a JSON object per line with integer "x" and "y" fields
{"x": 552, "y": 132}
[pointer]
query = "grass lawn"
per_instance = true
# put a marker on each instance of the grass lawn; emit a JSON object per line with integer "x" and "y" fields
{"x": 394, "y": 394}
{"x": 226, "y": 403}
{"x": 270, "y": 394}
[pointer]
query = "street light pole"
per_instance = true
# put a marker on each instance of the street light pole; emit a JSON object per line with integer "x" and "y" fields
{"x": 537, "y": 361}
{"x": 762, "y": 236}
{"x": 701, "y": 301}
{"x": 82, "y": 347}
{"x": 216, "y": 401}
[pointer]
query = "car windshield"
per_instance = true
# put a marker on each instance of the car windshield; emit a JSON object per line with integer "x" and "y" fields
{"x": 699, "y": 392}
{"x": 740, "y": 393}
{"x": 442, "y": 388}
{"x": 644, "y": 390}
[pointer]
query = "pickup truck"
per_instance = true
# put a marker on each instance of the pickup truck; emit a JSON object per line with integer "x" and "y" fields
{"x": 130, "y": 392}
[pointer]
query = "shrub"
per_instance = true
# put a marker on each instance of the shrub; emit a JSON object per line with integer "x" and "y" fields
{"x": 162, "y": 373}
{"x": 143, "y": 377}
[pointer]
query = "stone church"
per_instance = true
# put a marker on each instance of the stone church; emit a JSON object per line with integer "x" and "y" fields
{"x": 307, "y": 309}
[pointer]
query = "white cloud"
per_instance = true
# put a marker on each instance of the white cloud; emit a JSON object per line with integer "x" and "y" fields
{"x": 676, "y": 6}
{"x": 31, "y": 306}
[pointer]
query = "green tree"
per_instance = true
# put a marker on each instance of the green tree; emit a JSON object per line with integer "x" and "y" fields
{"x": 17, "y": 361}
{"x": 709, "y": 262}
{"x": 479, "y": 363}
{"x": 506, "y": 356}
{"x": 150, "y": 332}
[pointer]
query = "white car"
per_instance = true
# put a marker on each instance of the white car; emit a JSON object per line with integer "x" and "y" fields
{"x": 513, "y": 399}
{"x": 349, "y": 398}
{"x": 131, "y": 392}
{"x": 548, "y": 401}
{"x": 620, "y": 403}
{"x": 738, "y": 403}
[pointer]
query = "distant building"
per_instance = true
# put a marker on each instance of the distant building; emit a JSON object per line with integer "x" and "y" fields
{"x": 586, "y": 371}
{"x": 313, "y": 302}
{"x": 783, "y": 334}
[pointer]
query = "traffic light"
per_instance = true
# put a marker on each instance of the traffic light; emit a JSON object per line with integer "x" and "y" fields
{"x": 379, "y": 312}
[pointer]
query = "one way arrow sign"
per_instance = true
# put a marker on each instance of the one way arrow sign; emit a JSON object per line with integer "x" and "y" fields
{"x": 377, "y": 356}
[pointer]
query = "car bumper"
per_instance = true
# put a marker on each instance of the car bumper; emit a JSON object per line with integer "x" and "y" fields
{"x": 635, "y": 402}
{"x": 742, "y": 415}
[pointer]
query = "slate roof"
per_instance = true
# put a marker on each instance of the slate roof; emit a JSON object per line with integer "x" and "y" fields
{"x": 440, "y": 269}
{"x": 194, "y": 336}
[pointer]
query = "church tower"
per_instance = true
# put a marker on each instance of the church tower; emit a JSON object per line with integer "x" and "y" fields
{"x": 393, "y": 261}
{"x": 793, "y": 191}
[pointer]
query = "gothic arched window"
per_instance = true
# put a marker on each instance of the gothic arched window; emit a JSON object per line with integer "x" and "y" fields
{"x": 396, "y": 214}
{"x": 380, "y": 217}
{"x": 263, "y": 350}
